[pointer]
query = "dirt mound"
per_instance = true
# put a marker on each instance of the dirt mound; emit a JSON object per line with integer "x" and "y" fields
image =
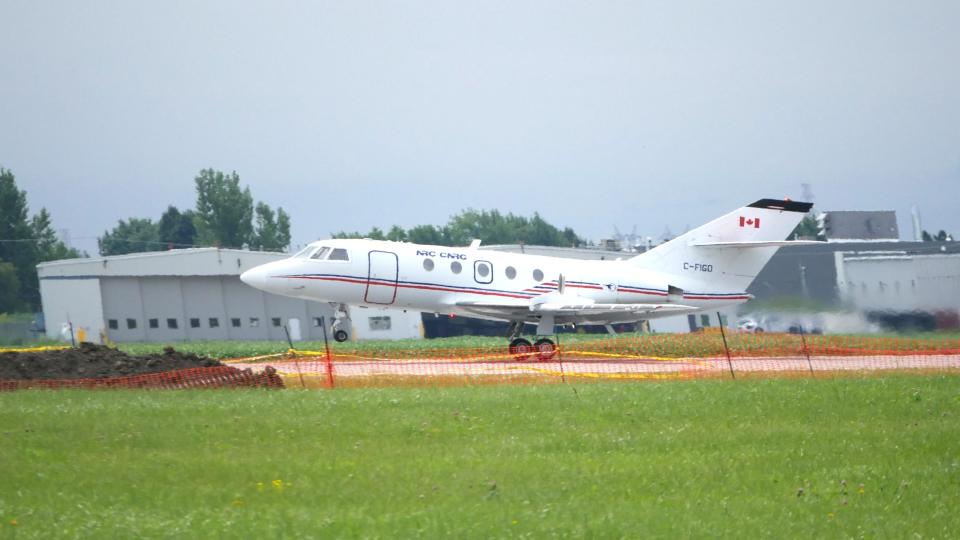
{"x": 94, "y": 361}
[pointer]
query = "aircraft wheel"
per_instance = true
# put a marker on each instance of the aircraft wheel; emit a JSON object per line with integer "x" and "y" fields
{"x": 340, "y": 336}
{"x": 545, "y": 349}
{"x": 521, "y": 349}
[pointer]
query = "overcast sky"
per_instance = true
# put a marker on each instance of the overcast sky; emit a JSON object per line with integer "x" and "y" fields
{"x": 595, "y": 114}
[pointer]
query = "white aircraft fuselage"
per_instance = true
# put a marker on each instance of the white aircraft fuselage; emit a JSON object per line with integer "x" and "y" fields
{"x": 450, "y": 280}
{"x": 709, "y": 267}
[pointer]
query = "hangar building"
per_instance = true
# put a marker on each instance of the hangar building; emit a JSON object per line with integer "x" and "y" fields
{"x": 190, "y": 295}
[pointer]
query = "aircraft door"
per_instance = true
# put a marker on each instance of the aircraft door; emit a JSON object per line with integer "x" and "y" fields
{"x": 382, "y": 278}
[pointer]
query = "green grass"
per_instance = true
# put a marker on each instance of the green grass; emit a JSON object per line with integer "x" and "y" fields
{"x": 875, "y": 457}
{"x": 672, "y": 345}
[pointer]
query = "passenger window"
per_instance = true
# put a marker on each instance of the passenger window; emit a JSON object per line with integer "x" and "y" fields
{"x": 538, "y": 274}
{"x": 511, "y": 272}
{"x": 428, "y": 265}
{"x": 456, "y": 267}
{"x": 338, "y": 254}
{"x": 320, "y": 254}
{"x": 482, "y": 272}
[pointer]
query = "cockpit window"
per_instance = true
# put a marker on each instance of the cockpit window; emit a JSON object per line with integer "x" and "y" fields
{"x": 305, "y": 252}
{"x": 338, "y": 254}
{"x": 321, "y": 253}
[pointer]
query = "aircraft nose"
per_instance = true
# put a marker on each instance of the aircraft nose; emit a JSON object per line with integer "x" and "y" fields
{"x": 255, "y": 277}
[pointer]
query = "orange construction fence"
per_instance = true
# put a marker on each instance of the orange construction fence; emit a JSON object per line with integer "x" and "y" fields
{"x": 641, "y": 357}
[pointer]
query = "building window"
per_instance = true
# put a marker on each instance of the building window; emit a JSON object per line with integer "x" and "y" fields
{"x": 254, "y": 322}
{"x": 275, "y": 322}
{"x": 214, "y": 322}
{"x": 112, "y": 324}
{"x": 511, "y": 272}
{"x": 704, "y": 320}
{"x": 172, "y": 323}
{"x": 235, "y": 322}
{"x": 131, "y": 324}
{"x": 194, "y": 322}
{"x": 538, "y": 275}
{"x": 428, "y": 264}
{"x": 317, "y": 322}
{"x": 456, "y": 267}
{"x": 380, "y": 323}
{"x": 154, "y": 323}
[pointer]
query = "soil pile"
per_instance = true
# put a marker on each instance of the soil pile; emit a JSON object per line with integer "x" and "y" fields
{"x": 94, "y": 361}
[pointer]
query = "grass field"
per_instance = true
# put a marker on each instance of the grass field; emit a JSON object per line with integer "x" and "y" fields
{"x": 874, "y": 457}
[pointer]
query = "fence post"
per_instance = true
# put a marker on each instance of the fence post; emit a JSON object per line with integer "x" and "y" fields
{"x": 725, "y": 347}
{"x": 326, "y": 343}
{"x": 563, "y": 377}
{"x": 806, "y": 352}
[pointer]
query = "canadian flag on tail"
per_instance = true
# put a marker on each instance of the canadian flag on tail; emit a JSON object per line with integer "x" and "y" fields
{"x": 745, "y": 222}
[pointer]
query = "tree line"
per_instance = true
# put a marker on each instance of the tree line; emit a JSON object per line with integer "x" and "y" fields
{"x": 25, "y": 242}
{"x": 225, "y": 216}
{"x": 490, "y": 226}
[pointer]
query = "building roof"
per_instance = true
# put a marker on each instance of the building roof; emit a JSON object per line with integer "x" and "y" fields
{"x": 848, "y": 225}
{"x": 178, "y": 262}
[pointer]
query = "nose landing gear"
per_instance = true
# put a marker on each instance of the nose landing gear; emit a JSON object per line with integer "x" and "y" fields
{"x": 341, "y": 319}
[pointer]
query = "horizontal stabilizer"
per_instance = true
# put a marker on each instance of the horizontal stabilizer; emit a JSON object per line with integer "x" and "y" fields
{"x": 757, "y": 244}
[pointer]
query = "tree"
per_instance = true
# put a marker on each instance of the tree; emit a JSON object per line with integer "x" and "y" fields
{"x": 807, "y": 229}
{"x": 17, "y": 246}
{"x": 176, "y": 229}
{"x": 348, "y": 235}
{"x": 49, "y": 247}
{"x": 397, "y": 234}
{"x": 941, "y": 236}
{"x": 425, "y": 234}
{"x": 135, "y": 235}
{"x": 271, "y": 233}
{"x": 26, "y": 242}
{"x": 9, "y": 288}
{"x": 224, "y": 211}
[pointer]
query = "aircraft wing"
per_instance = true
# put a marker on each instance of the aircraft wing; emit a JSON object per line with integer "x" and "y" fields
{"x": 523, "y": 309}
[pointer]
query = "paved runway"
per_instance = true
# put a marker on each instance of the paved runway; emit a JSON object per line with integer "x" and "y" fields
{"x": 600, "y": 368}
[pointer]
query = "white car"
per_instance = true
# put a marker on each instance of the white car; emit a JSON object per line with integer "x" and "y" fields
{"x": 749, "y": 326}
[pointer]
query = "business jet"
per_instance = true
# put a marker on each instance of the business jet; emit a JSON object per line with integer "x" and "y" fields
{"x": 708, "y": 267}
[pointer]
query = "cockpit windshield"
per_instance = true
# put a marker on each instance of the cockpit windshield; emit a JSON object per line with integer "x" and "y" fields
{"x": 305, "y": 252}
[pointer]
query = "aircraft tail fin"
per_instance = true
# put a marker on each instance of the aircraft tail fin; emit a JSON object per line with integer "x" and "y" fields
{"x": 731, "y": 250}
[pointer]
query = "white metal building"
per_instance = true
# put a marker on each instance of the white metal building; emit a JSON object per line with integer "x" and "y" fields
{"x": 899, "y": 281}
{"x": 190, "y": 295}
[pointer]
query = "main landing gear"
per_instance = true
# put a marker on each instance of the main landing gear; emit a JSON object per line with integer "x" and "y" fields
{"x": 521, "y": 349}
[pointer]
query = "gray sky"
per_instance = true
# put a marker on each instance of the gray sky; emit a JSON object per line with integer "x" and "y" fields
{"x": 595, "y": 114}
